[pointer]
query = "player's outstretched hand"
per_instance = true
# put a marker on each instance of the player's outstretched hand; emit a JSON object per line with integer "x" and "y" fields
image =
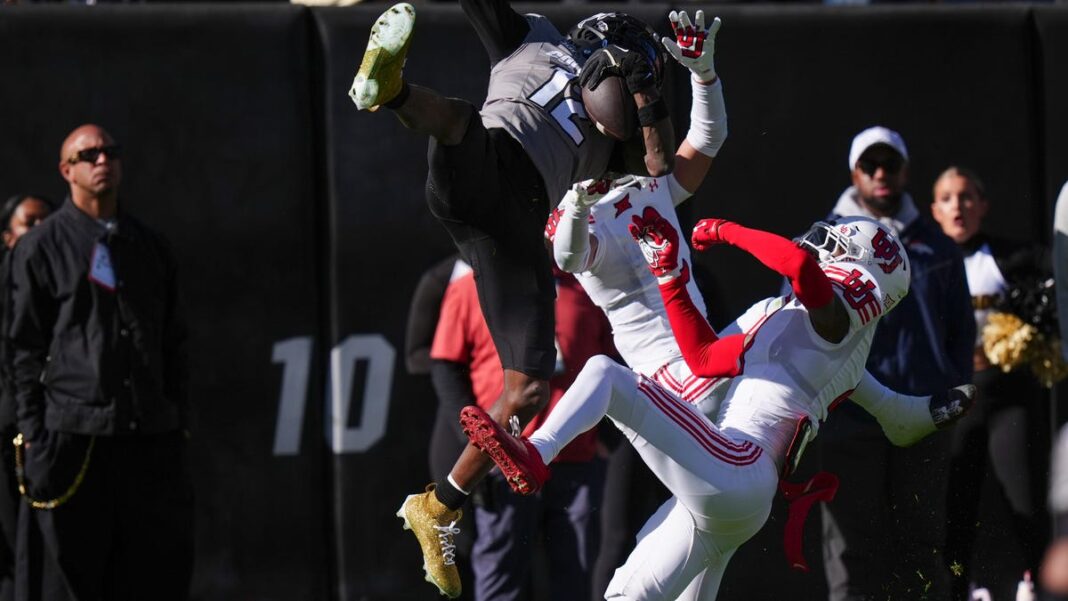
{"x": 614, "y": 60}
{"x": 694, "y": 44}
{"x": 586, "y": 193}
{"x": 659, "y": 242}
{"x": 951, "y": 405}
{"x": 706, "y": 233}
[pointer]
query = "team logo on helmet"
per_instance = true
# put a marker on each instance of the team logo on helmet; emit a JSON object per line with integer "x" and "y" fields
{"x": 860, "y": 242}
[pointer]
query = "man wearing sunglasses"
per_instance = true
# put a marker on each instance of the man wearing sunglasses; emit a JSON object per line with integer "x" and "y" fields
{"x": 884, "y": 535}
{"x": 99, "y": 376}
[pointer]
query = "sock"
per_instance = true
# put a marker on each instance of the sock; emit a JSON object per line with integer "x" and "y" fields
{"x": 449, "y": 494}
{"x": 400, "y": 98}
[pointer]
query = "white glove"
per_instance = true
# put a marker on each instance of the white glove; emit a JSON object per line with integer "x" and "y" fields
{"x": 693, "y": 45}
{"x": 586, "y": 193}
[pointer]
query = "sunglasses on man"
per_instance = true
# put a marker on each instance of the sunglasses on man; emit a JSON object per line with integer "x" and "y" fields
{"x": 890, "y": 164}
{"x": 90, "y": 155}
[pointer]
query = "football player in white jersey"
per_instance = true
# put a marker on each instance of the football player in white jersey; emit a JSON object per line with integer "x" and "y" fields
{"x": 589, "y": 234}
{"x": 790, "y": 360}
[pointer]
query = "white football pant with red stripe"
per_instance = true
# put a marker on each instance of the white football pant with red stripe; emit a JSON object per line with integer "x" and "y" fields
{"x": 722, "y": 484}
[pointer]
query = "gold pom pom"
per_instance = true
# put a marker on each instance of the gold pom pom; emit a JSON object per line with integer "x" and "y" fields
{"x": 1010, "y": 343}
{"x": 1007, "y": 340}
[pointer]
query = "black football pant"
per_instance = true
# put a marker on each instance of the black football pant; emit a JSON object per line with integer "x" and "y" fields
{"x": 125, "y": 535}
{"x": 491, "y": 199}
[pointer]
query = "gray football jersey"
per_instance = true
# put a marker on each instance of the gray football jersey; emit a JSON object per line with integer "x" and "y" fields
{"x": 531, "y": 98}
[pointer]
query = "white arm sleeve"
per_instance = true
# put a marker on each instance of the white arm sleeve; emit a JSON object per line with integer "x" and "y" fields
{"x": 904, "y": 419}
{"x": 708, "y": 117}
{"x": 571, "y": 248}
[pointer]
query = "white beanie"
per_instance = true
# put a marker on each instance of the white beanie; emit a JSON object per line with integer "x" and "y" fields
{"x": 872, "y": 136}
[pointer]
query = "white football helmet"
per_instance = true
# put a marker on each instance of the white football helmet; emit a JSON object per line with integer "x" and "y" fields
{"x": 862, "y": 243}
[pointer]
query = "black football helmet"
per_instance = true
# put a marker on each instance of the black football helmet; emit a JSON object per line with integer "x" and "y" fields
{"x": 623, "y": 30}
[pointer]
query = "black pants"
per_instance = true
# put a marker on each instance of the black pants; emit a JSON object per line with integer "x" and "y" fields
{"x": 1002, "y": 437}
{"x": 125, "y": 535}
{"x": 884, "y": 534}
{"x": 562, "y": 516}
{"x": 9, "y": 504}
{"x": 491, "y": 199}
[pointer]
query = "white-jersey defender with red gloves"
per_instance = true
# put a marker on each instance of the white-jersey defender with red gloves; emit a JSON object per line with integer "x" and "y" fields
{"x": 789, "y": 360}
{"x": 591, "y": 240}
{"x": 792, "y": 372}
{"x": 613, "y": 272}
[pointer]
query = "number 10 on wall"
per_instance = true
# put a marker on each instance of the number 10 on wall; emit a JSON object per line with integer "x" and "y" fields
{"x": 295, "y": 355}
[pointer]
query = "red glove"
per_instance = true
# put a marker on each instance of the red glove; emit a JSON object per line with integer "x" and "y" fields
{"x": 552, "y": 224}
{"x": 706, "y": 233}
{"x": 659, "y": 242}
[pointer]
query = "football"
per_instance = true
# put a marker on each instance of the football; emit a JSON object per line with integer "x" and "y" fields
{"x": 611, "y": 108}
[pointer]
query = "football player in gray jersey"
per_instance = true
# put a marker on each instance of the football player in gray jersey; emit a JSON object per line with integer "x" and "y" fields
{"x": 492, "y": 175}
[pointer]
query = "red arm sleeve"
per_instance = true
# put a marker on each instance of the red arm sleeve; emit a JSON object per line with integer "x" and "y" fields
{"x": 809, "y": 282}
{"x": 706, "y": 354}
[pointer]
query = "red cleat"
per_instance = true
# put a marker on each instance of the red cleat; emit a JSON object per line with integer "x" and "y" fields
{"x": 519, "y": 461}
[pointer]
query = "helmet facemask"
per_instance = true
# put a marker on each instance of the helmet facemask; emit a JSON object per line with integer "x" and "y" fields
{"x": 828, "y": 245}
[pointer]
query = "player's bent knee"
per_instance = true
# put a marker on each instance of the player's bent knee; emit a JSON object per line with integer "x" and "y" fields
{"x": 525, "y": 398}
{"x": 599, "y": 366}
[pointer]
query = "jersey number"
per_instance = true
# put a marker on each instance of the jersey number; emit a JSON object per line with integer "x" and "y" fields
{"x": 550, "y": 96}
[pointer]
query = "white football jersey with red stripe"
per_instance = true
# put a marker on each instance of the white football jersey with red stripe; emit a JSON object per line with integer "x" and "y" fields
{"x": 621, "y": 284}
{"x": 789, "y": 371}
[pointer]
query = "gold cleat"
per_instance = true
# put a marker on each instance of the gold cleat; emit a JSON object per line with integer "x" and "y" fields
{"x": 434, "y": 525}
{"x": 379, "y": 79}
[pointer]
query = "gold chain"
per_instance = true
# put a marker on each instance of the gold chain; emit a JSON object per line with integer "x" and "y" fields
{"x": 61, "y": 499}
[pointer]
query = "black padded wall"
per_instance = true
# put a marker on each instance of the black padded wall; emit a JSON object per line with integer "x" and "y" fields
{"x": 1051, "y": 25}
{"x": 212, "y": 106}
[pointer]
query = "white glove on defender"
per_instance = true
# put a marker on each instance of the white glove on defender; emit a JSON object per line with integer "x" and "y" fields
{"x": 571, "y": 243}
{"x": 586, "y": 193}
{"x": 694, "y": 45}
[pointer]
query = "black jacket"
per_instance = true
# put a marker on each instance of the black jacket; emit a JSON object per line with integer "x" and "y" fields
{"x": 89, "y": 359}
{"x": 7, "y": 385}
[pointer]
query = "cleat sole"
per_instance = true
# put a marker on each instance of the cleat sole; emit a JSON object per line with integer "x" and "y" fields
{"x": 389, "y": 39}
{"x": 482, "y": 436}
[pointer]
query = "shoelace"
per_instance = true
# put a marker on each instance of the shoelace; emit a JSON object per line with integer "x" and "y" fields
{"x": 448, "y": 549}
{"x": 513, "y": 423}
